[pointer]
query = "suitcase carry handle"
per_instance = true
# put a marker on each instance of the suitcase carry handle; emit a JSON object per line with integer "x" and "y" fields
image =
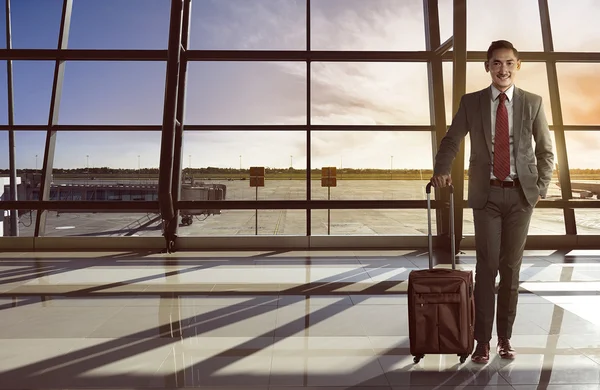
{"x": 429, "y": 234}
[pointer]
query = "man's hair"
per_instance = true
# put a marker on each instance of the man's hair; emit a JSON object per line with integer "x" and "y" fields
{"x": 502, "y": 44}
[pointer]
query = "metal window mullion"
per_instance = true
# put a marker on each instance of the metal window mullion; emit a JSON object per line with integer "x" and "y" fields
{"x": 57, "y": 83}
{"x": 14, "y": 220}
{"x": 167, "y": 144}
{"x": 557, "y": 119}
{"x": 180, "y": 114}
{"x": 437, "y": 110}
{"x": 459, "y": 82}
{"x": 308, "y": 121}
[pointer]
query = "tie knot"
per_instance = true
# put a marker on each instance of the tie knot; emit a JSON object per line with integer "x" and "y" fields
{"x": 502, "y": 97}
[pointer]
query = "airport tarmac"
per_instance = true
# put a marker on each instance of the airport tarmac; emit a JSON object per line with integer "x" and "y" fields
{"x": 293, "y": 222}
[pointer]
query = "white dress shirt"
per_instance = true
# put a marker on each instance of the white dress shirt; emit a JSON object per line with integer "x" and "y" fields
{"x": 509, "y": 106}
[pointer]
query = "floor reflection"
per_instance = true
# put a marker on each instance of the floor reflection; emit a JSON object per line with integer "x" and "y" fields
{"x": 271, "y": 320}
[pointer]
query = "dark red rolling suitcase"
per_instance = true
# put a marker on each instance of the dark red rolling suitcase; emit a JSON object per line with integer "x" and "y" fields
{"x": 441, "y": 308}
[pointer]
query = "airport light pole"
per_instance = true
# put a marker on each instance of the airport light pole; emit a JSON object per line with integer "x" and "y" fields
{"x": 139, "y": 170}
{"x": 36, "y": 162}
{"x": 391, "y": 166}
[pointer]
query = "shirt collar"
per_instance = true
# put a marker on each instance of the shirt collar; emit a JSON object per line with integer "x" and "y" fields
{"x": 509, "y": 92}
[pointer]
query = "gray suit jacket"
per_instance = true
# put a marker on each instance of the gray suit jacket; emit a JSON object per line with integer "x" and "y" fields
{"x": 533, "y": 164}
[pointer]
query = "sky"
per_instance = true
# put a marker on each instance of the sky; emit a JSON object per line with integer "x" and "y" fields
{"x": 275, "y": 93}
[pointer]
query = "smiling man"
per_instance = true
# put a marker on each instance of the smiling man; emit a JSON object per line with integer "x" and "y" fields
{"x": 508, "y": 175}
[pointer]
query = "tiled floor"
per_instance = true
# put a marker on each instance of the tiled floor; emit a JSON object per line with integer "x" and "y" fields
{"x": 274, "y": 320}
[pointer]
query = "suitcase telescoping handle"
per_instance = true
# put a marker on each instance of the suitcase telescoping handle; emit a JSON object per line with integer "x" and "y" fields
{"x": 430, "y": 235}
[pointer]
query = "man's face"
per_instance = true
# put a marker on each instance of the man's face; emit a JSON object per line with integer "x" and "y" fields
{"x": 503, "y": 67}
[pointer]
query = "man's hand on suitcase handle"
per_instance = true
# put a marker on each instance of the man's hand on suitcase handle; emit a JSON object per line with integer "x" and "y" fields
{"x": 439, "y": 181}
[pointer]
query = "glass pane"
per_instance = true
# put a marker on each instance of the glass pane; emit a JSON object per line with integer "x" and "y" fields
{"x": 543, "y": 222}
{"x": 244, "y": 223}
{"x": 575, "y": 25}
{"x": 547, "y": 221}
{"x": 106, "y": 156}
{"x": 4, "y": 160}
{"x": 367, "y": 25}
{"x": 100, "y": 224}
{"x": 532, "y": 77}
{"x": 582, "y": 152}
{"x": 5, "y": 182}
{"x": 374, "y": 164}
{"x": 585, "y": 176}
{"x": 246, "y": 93}
{"x": 119, "y": 24}
{"x": 370, "y": 93}
{"x": 3, "y": 27}
{"x": 378, "y": 222}
{"x": 446, "y": 9}
{"x": 121, "y": 93}
{"x": 35, "y": 24}
{"x": 30, "y": 150}
{"x": 226, "y": 25}
{"x": 525, "y": 30}
{"x": 578, "y": 84}
{"x": 4, "y": 93}
{"x": 224, "y": 157}
{"x": 447, "y": 69}
{"x": 32, "y": 91}
{"x": 588, "y": 220}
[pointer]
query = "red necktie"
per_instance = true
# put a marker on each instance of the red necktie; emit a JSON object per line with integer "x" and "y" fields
{"x": 501, "y": 141}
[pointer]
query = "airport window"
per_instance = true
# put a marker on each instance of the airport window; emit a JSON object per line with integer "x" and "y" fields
{"x": 4, "y": 161}
{"x": 98, "y": 224}
{"x": 578, "y": 84}
{"x": 35, "y": 24}
{"x": 574, "y": 25}
{"x": 369, "y": 93}
{"x": 29, "y": 146}
{"x": 584, "y": 170}
{"x": 3, "y": 94}
{"x": 113, "y": 93}
{"x": 445, "y": 10}
{"x": 379, "y": 25}
{"x": 248, "y": 25}
{"x": 225, "y": 157}
{"x": 374, "y": 222}
{"x": 32, "y": 91}
{"x": 373, "y": 165}
{"x": 525, "y": 30}
{"x": 213, "y": 222}
{"x": 97, "y": 156}
{"x": 447, "y": 69}
{"x": 251, "y": 93}
{"x": 256, "y": 75}
{"x": 134, "y": 24}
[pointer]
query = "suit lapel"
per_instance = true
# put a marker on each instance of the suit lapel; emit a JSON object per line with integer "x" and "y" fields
{"x": 486, "y": 117}
{"x": 518, "y": 106}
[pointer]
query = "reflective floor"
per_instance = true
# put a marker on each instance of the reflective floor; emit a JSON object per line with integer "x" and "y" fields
{"x": 274, "y": 320}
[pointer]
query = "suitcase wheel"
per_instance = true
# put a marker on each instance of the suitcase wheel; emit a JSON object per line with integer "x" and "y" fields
{"x": 418, "y": 358}
{"x": 463, "y": 358}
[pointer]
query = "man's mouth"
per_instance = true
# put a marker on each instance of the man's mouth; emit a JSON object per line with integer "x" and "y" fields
{"x": 503, "y": 76}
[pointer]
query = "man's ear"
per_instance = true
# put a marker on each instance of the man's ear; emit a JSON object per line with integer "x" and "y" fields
{"x": 487, "y": 66}
{"x": 518, "y": 64}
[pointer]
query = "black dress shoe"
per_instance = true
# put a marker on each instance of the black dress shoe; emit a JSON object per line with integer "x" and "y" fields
{"x": 481, "y": 355}
{"x": 504, "y": 349}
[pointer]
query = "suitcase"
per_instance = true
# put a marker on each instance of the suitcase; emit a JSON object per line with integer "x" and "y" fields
{"x": 441, "y": 307}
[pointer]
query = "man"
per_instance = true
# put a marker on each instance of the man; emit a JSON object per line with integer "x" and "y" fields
{"x": 508, "y": 175}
